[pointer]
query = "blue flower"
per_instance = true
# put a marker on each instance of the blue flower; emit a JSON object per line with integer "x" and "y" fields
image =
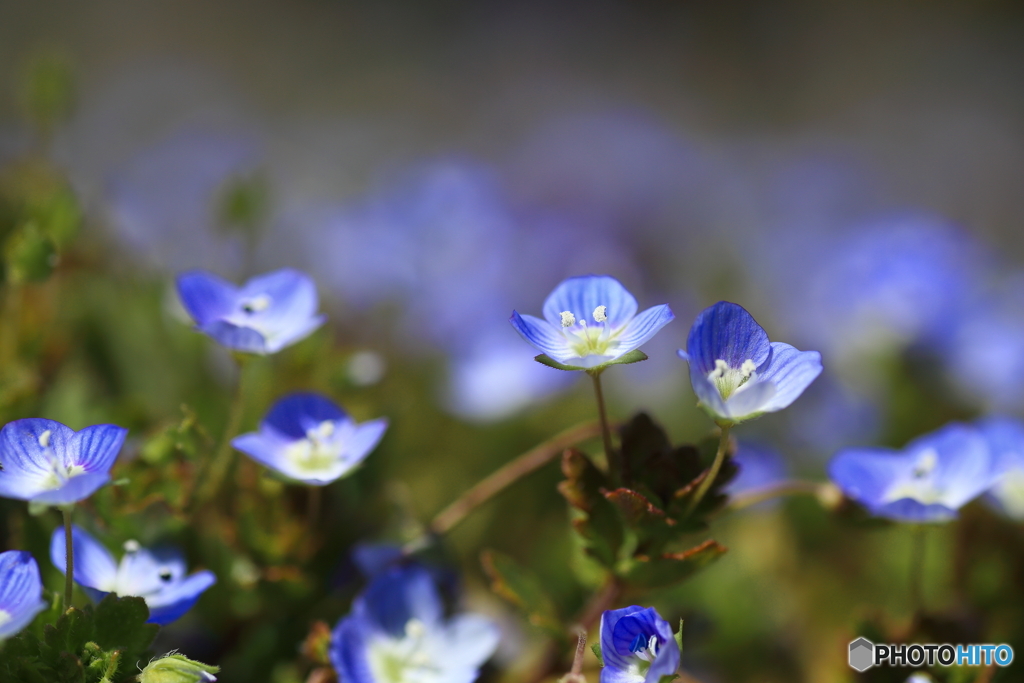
{"x": 21, "y": 592}
{"x": 736, "y": 372}
{"x": 397, "y": 632}
{"x": 1005, "y": 437}
{"x": 306, "y": 437}
{"x": 928, "y": 481}
{"x": 157, "y": 576}
{"x": 637, "y": 646}
{"x": 46, "y": 462}
{"x": 759, "y": 467}
{"x": 590, "y": 321}
{"x": 266, "y": 314}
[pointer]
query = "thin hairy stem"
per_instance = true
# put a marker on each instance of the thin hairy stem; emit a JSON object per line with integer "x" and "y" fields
{"x": 709, "y": 478}
{"x": 615, "y": 464}
{"x": 778, "y": 490}
{"x": 69, "y": 553}
{"x": 510, "y": 473}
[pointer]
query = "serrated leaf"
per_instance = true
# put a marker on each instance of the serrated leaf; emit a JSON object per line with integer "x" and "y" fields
{"x": 70, "y": 634}
{"x": 120, "y": 624}
{"x": 522, "y": 588}
{"x": 670, "y": 568}
{"x": 69, "y": 669}
{"x": 652, "y": 527}
{"x": 600, "y": 525}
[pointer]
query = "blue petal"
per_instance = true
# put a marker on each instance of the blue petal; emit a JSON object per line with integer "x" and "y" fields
{"x": 264, "y": 447}
{"x": 171, "y": 603}
{"x": 294, "y": 331}
{"x": 547, "y": 339}
{"x": 726, "y": 332}
{"x": 78, "y": 487}
{"x": 27, "y": 465}
{"x": 582, "y": 295}
{"x": 471, "y": 640}
{"x": 910, "y": 511}
{"x": 865, "y": 474}
{"x": 640, "y": 329}
{"x": 205, "y": 296}
{"x": 613, "y": 658}
{"x": 295, "y": 414}
{"x": 707, "y": 393}
{"x": 642, "y": 623}
{"x": 95, "y": 448}
{"x": 94, "y": 565}
{"x": 749, "y": 400}
{"x": 965, "y": 467}
{"x": 367, "y": 436}
{"x": 791, "y": 372}
{"x": 1005, "y": 438}
{"x": 373, "y": 558}
{"x": 234, "y": 337}
{"x": 292, "y": 312}
{"x": 21, "y": 591}
{"x": 398, "y": 595}
{"x": 348, "y": 650}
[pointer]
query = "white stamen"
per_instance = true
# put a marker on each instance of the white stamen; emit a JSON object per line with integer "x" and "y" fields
{"x": 324, "y": 430}
{"x": 925, "y": 464}
{"x": 748, "y": 367}
{"x": 601, "y": 314}
{"x": 568, "y": 319}
{"x": 720, "y": 369}
{"x": 131, "y": 546}
{"x": 44, "y": 439}
{"x": 256, "y": 304}
{"x": 415, "y": 628}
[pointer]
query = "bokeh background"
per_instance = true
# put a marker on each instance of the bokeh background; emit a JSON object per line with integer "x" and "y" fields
{"x": 850, "y": 172}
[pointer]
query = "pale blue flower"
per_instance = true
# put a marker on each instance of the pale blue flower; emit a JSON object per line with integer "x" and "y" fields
{"x": 397, "y": 632}
{"x": 266, "y": 314}
{"x": 928, "y": 481}
{"x": 156, "y": 576}
{"x": 21, "y": 592}
{"x": 1005, "y": 438}
{"x": 637, "y": 646}
{"x": 590, "y": 321}
{"x": 736, "y": 372}
{"x": 308, "y": 438}
{"x": 46, "y": 462}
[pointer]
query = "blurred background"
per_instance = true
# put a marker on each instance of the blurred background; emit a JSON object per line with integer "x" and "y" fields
{"x": 849, "y": 172}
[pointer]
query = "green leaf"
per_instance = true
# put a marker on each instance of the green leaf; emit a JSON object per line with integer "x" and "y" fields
{"x": 120, "y": 624}
{"x": 596, "y": 649}
{"x": 522, "y": 588}
{"x": 599, "y": 524}
{"x": 70, "y": 634}
{"x": 634, "y": 356}
{"x": 679, "y": 637}
{"x": 652, "y": 526}
{"x": 670, "y": 568}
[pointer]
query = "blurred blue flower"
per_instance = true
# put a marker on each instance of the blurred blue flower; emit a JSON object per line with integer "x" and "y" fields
{"x": 21, "y": 592}
{"x": 759, "y": 466}
{"x": 637, "y": 646}
{"x": 614, "y": 328}
{"x": 266, "y": 314}
{"x": 1005, "y": 438}
{"x": 396, "y": 631}
{"x": 736, "y": 372}
{"x": 308, "y": 438}
{"x": 928, "y": 481}
{"x": 157, "y": 576}
{"x": 46, "y": 462}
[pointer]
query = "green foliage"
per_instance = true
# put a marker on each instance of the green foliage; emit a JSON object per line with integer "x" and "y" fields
{"x": 101, "y": 644}
{"x": 522, "y": 588}
{"x": 176, "y": 668}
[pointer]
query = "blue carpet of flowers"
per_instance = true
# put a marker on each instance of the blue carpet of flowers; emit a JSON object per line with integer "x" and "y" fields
{"x": 580, "y": 392}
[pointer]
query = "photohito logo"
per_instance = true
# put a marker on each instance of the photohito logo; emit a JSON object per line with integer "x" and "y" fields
{"x": 864, "y": 654}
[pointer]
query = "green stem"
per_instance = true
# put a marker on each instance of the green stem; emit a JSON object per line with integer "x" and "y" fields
{"x": 224, "y": 457}
{"x": 777, "y": 490}
{"x": 69, "y": 554}
{"x": 712, "y": 474}
{"x": 917, "y": 552}
{"x": 615, "y": 465}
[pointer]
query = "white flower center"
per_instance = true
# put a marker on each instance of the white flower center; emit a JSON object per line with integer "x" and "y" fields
{"x": 405, "y": 659}
{"x": 728, "y": 379}
{"x": 922, "y": 486}
{"x": 256, "y": 304}
{"x": 590, "y": 340}
{"x": 317, "y": 451}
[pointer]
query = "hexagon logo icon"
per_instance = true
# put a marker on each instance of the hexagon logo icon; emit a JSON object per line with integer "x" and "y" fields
{"x": 862, "y": 654}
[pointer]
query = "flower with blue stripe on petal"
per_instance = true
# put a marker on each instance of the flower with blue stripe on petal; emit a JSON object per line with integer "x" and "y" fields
{"x": 308, "y": 438}
{"x": 637, "y": 646}
{"x": 21, "y": 592}
{"x": 263, "y": 316}
{"x": 736, "y": 372}
{"x": 47, "y": 462}
{"x": 157, "y": 576}
{"x": 590, "y": 322}
{"x": 928, "y": 481}
{"x": 396, "y": 633}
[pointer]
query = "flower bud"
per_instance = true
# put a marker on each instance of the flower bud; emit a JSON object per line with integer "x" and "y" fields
{"x": 175, "y": 668}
